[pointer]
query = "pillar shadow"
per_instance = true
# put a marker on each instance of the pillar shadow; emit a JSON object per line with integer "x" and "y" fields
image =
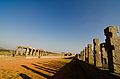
{"x": 75, "y": 69}
{"x": 45, "y": 69}
{"x": 35, "y": 71}
{"x": 24, "y": 76}
{"x": 78, "y": 69}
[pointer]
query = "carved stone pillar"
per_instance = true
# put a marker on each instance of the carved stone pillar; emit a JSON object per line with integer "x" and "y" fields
{"x": 34, "y": 52}
{"x": 86, "y": 55}
{"x": 97, "y": 53}
{"x": 31, "y": 52}
{"x": 113, "y": 48}
{"x": 17, "y": 50}
{"x": 27, "y": 51}
{"x": 90, "y": 54}
{"x": 104, "y": 57}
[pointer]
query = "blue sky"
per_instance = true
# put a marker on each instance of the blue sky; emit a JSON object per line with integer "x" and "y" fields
{"x": 55, "y": 25}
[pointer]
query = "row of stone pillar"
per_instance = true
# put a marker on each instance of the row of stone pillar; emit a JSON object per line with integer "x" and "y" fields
{"x": 29, "y": 51}
{"x": 106, "y": 55}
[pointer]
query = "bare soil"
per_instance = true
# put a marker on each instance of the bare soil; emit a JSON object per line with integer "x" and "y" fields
{"x": 33, "y": 68}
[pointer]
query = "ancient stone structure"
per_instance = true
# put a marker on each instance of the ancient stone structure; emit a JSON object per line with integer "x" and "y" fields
{"x": 77, "y": 55}
{"x": 113, "y": 48}
{"x": 29, "y": 51}
{"x": 97, "y": 53}
{"x": 86, "y": 55}
{"x": 104, "y": 58}
{"x": 82, "y": 55}
{"x": 90, "y": 54}
{"x": 107, "y": 54}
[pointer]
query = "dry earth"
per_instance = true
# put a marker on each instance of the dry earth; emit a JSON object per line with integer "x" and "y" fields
{"x": 33, "y": 68}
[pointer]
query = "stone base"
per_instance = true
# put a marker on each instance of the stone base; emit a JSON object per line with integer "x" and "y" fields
{"x": 28, "y": 57}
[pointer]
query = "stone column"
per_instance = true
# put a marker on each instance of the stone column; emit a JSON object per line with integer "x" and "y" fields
{"x": 31, "y": 52}
{"x": 82, "y": 56}
{"x": 21, "y": 50}
{"x": 27, "y": 51}
{"x": 90, "y": 54}
{"x": 104, "y": 57}
{"x": 17, "y": 50}
{"x": 97, "y": 53}
{"x": 38, "y": 52}
{"x": 113, "y": 48}
{"x": 34, "y": 52}
{"x": 86, "y": 55}
{"x": 42, "y": 52}
{"x": 45, "y": 53}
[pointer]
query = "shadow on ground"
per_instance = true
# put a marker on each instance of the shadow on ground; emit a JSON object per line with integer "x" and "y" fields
{"x": 35, "y": 71}
{"x": 76, "y": 69}
{"x": 45, "y": 69}
{"x": 24, "y": 76}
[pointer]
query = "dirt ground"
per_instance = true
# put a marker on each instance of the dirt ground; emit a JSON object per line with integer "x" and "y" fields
{"x": 32, "y": 68}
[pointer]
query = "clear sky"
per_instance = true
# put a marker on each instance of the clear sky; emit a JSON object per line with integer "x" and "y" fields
{"x": 55, "y": 25}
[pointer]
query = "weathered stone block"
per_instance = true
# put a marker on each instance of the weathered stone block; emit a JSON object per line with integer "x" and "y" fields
{"x": 113, "y": 48}
{"x": 97, "y": 53}
{"x": 104, "y": 57}
{"x": 90, "y": 53}
{"x": 86, "y": 55}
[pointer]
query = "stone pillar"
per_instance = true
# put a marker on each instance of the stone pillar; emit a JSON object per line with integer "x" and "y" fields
{"x": 27, "y": 51}
{"x": 90, "y": 54}
{"x": 31, "y": 52}
{"x": 42, "y": 53}
{"x": 22, "y": 51}
{"x": 45, "y": 53}
{"x": 82, "y": 55}
{"x": 86, "y": 55}
{"x": 104, "y": 58}
{"x": 17, "y": 50}
{"x": 34, "y": 52}
{"x": 39, "y": 54}
{"x": 113, "y": 48}
{"x": 97, "y": 53}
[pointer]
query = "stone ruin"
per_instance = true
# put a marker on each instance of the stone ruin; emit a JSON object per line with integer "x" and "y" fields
{"x": 29, "y": 51}
{"x": 113, "y": 48}
{"x": 97, "y": 54}
{"x": 104, "y": 55}
{"x": 104, "y": 58}
{"x": 90, "y": 54}
{"x": 101, "y": 55}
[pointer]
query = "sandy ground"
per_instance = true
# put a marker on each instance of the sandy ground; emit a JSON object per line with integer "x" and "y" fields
{"x": 33, "y": 68}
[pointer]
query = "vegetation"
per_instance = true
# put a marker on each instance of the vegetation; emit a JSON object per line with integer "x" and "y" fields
{"x": 6, "y": 52}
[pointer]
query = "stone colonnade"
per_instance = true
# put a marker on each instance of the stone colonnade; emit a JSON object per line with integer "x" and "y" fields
{"x": 29, "y": 51}
{"x": 105, "y": 54}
